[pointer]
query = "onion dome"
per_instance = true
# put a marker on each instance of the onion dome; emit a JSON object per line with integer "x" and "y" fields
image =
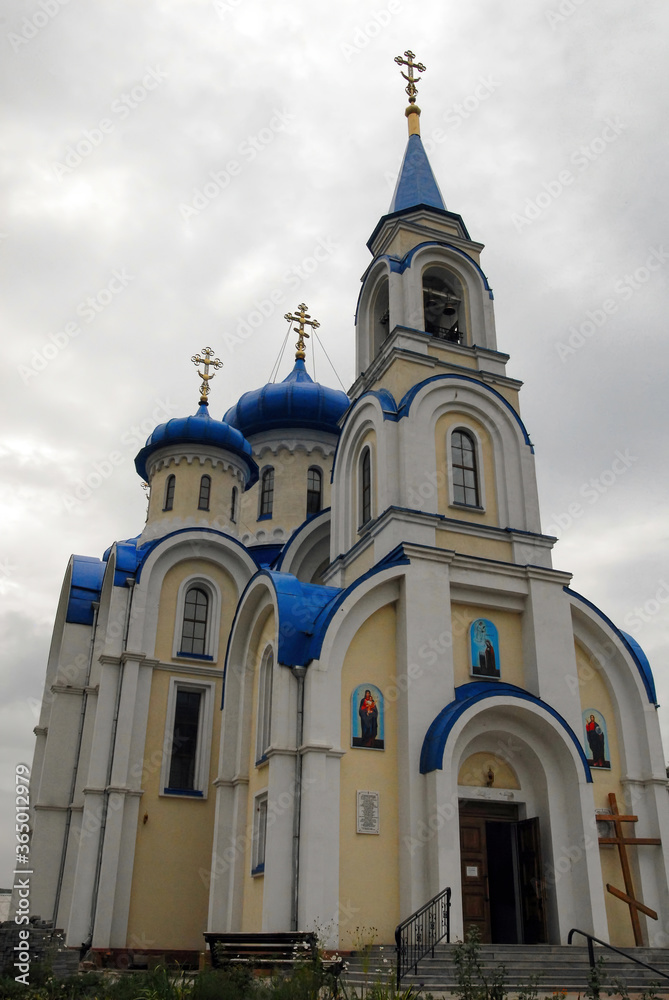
{"x": 200, "y": 429}
{"x": 298, "y": 401}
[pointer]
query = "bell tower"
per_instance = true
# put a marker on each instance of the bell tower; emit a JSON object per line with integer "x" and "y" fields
{"x": 424, "y": 292}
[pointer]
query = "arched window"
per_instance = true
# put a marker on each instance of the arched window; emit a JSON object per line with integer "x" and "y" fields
{"x": 194, "y": 628}
{"x": 169, "y": 493}
{"x": 205, "y": 490}
{"x": 464, "y": 469}
{"x": 264, "y": 723}
{"x": 365, "y": 481}
{"x": 267, "y": 493}
{"x": 314, "y": 490}
{"x": 233, "y": 504}
{"x": 442, "y": 305}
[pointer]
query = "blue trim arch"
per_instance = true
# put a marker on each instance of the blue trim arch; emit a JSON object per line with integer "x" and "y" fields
{"x": 632, "y": 646}
{"x": 468, "y": 695}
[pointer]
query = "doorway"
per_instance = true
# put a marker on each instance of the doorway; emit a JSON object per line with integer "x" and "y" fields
{"x": 502, "y": 888}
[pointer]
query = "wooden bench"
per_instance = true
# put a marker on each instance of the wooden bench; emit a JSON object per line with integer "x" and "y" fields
{"x": 269, "y": 952}
{"x": 282, "y": 949}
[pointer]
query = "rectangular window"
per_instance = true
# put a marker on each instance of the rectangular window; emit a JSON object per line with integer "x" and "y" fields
{"x": 259, "y": 834}
{"x": 184, "y": 740}
{"x": 187, "y": 742}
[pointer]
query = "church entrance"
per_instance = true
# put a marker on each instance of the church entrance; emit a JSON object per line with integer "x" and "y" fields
{"x": 502, "y": 889}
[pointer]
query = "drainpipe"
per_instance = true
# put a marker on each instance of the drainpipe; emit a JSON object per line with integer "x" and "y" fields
{"x": 112, "y": 746}
{"x": 77, "y": 755}
{"x": 299, "y": 675}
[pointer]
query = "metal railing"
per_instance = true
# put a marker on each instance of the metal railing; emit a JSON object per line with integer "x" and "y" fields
{"x": 591, "y": 951}
{"x": 419, "y": 933}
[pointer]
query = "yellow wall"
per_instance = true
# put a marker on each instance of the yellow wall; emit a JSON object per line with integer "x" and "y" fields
{"x": 509, "y": 629}
{"x": 169, "y": 898}
{"x": 595, "y": 694}
{"x": 290, "y": 490}
{"x": 187, "y": 492}
{"x": 369, "y": 864}
{"x": 472, "y": 545}
{"x": 475, "y": 771}
{"x": 486, "y": 471}
{"x": 258, "y": 778}
{"x": 362, "y": 564}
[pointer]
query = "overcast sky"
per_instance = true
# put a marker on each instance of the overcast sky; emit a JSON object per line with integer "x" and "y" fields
{"x": 169, "y": 165}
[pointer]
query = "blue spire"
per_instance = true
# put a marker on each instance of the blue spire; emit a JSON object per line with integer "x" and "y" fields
{"x": 416, "y": 184}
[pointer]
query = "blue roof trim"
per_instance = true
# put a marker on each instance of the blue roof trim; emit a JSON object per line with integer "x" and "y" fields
{"x": 395, "y": 558}
{"x": 406, "y": 261}
{"x": 416, "y": 184}
{"x": 305, "y": 612}
{"x": 298, "y": 401}
{"x": 409, "y": 211}
{"x": 199, "y": 429}
{"x": 632, "y": 646}
{"x": 265, "y": 554}
{"x": 85, "y": 588}
{"x": 468, "y": 695}
{"x": 408, "y": 398}
{"x": 309, "y": 521}
{"x": 148, "y": 548}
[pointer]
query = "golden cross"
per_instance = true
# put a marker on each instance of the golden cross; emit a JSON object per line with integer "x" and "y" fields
{"x": 409, "y": 62}
{"x": 302, "y": 318}
{"x": 205, "y": 376}
{"x": 621, "y": 841}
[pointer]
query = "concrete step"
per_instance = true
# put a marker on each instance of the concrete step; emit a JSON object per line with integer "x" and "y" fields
{"x": 553, "y": 967}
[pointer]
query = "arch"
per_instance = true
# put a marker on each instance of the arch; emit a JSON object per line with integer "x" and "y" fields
{"x": 444, "y": 305}
{"x": 373, "y": 304}
{"x": 464, "y": 465}
{"x": 365, "y": 491}
{"x": 307, "y": 549}
{"x": 170, "y": 484}
{"x": 264, "y": 708}
{"x": 205, "y": 493}
{"x": 467, "y": 697}
{"x": 162, "y": 555}
{"x": 197, "y": 618}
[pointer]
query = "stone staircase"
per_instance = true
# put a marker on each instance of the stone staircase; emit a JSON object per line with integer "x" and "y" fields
{"x": 552, "y": 967}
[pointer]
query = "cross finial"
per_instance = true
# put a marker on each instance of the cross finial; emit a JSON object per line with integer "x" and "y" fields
{"x": 303, "y": 319}
{"x": 209, "y": 361}
{"x": 413, "y": 111}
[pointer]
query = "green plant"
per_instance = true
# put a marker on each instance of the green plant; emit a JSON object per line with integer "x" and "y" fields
{"x": 596, "y": 979}
{"x": 473, "y": 984}
{"x": 531, "y": 991}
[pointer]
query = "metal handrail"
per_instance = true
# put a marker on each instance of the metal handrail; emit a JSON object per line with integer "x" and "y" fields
{"x": 591, "y": 951}
{"x": 420, "y": 932}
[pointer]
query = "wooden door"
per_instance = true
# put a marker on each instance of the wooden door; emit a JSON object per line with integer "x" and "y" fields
{"x": 475, "y": 902}
{"x": 532, "y": 888}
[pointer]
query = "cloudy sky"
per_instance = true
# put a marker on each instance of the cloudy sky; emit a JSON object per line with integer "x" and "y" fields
{"x": 171, "y": 165}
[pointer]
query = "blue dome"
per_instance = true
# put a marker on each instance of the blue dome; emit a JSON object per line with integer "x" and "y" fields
{"x": 198, "y": 429}
{"x": 298, "y": 401}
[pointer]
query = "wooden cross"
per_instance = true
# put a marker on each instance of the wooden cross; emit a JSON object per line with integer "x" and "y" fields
{"x": 622, "y": 843}
{"x": 205, "y": 376}
{"x": 409, "y": 62}
{"x": 302, "y": 318}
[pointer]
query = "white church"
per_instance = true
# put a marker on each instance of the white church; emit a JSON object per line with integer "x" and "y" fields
{"x": 336, "y": 672}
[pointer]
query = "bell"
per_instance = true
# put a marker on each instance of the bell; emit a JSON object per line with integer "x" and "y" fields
{"x": 449, "y": 308}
